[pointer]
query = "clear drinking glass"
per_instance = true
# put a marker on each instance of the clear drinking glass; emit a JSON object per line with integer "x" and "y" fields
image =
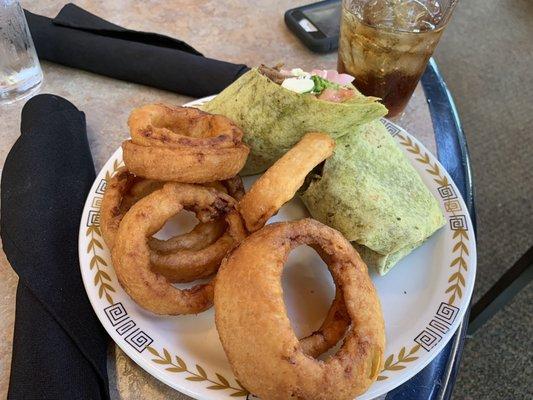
{"x": 20, "y": 71}
{"x": 386, "y": 44}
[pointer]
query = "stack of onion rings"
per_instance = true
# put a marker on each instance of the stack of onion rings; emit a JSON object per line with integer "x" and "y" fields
{"x": 263, "y": 351}
{"x": 183, "y": 258}
{"x": 132, "y": 257}
{"x": 281, "y": 181}
{"x": 182, "y": 144}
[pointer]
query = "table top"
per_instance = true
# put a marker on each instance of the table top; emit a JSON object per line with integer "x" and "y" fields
{"x": 250, "y": 32}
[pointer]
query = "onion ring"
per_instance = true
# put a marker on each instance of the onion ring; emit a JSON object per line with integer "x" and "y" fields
{"x": 122, "y": 191}
{"x": 255, "y": 330}
{"x": 183, "y": 144}
{"x": 180, "y": 264}
{"x": 202, "y": 235}
{"x": 183, "y": 258}
{"x": 332, "y": 330}
{"x": 281, "y": 181}
{"x": 205, "y": 233}
{"x": 189, "y": 265}
{"x": 264, "y": 199}
{"x": 131, "y": 253}
{"x": 125, "y": 189}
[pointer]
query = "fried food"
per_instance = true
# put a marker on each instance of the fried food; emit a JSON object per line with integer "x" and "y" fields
{"x": 189, "y": 265}
{"x": 332, "y": 330}
{"x": 132, "y": 256}
{"x": 183, "y": 144}
{"x": 203, "y": 234}
{"x": 255, "y": 330}
{"x": 197, "y": 254}
{"x": 182, "y": 258}
{"x": 122, "y": 191}
{"x": 281, "y": 181}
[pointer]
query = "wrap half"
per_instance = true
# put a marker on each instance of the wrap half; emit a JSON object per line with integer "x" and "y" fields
{"x": 274, "y": 118}
{"x": 369, "y": 191}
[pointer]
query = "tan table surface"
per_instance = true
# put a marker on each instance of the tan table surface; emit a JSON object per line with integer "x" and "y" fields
{"x": 250, "y": 32}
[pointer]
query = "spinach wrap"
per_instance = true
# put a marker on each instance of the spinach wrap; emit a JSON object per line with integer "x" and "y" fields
{"x": 370, "y": 192}
{"x": 274, "y": 118}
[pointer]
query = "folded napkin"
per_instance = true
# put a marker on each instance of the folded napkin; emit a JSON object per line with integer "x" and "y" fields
{"x": 59, "y": 346}
{"x": 79, "y": 39}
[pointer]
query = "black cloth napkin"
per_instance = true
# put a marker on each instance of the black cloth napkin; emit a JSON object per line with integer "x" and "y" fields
{"x": 59, "y": 346}
{"x": 79, "y": 39}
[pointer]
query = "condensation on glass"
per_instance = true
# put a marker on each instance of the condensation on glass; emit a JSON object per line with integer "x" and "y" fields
{"x": 20, "y": 71}
{"x": 386, "y": 45}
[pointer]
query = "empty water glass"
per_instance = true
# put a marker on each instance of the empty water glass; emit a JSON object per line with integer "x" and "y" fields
{"x": 20, "y": 71}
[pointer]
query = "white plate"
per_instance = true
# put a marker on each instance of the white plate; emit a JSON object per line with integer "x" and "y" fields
{"x": 424, "y": 297}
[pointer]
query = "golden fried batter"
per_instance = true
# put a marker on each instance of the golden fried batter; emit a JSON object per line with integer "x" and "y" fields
{"x": 256, "y": 333}
{"x": 131, "y": 253}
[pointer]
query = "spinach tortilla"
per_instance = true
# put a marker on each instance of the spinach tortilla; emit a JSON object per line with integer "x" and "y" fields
{"x": 370, "y": 192}
{"x": 274, "y": 119}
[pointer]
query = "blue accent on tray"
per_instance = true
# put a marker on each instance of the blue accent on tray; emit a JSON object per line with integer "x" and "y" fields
{"x": 437, "y": 379}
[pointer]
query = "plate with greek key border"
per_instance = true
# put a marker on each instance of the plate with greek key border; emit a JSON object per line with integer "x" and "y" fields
{"x": 424, "y": 297}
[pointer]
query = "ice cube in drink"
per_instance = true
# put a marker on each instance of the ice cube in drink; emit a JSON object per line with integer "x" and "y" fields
{"x": 403, "y": 15}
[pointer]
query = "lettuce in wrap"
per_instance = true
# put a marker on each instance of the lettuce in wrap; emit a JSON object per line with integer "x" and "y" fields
{"x": 370, "y": 192}
{"x": 275, "y": 118}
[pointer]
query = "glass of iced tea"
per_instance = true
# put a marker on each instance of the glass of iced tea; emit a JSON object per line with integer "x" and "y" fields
{"x": 386, "y": 44}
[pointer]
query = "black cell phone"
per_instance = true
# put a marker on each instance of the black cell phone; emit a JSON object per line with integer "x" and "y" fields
{"x": 317, "y": 24}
